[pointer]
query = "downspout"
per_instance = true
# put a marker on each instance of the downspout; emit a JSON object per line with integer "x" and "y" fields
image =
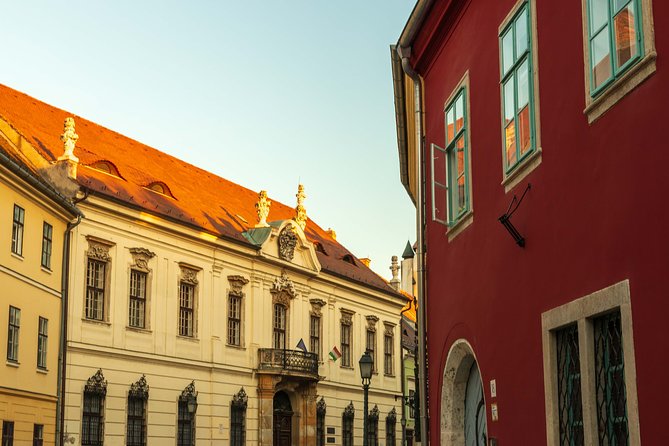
{"x": 405, "y": 53}
{"x": 62, "y": 351}
{"x": 403, "y": 421}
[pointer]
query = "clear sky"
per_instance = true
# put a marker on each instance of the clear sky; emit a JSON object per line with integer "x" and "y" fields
{"x": 264, "y": 93}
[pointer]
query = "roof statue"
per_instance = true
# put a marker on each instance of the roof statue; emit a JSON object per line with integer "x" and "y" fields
{"x": 300, "y": 210}
{"x": 262, "y": 207}
{"x": 69, "y": 138}
{"x": 331, "y": 232}
{"x": 394, "y": 268}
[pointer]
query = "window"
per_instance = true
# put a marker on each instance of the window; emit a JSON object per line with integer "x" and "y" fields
{"x": 451, "y": 195}
{"x": 42, "y": 342}
{"x": 279, "y": 326}
{"x": 17, "y": 230}
{"x": 373, "y": 427}
{"x": 38, "y": 435}
{"x": 370, "y": 346}
{"x": 345, "y": 345}
{"x": 388, "y": 343}
{"x": 618, "y": 49}
{"x": 95, "y": 289}
{"x": 238, "y": 418}
{"x": 13, "y": 334}
{"x": 7, "y": 433}
{"x": 47, "y": 242}
{"x": 315, "y": 334}
{"x": 137, "y": 307}
{"x": 347, "y": 425}
{"x": 186, "y": 307}
{"x": 517, "y": 87}
{"x": 591, "y": 334}
{"x": 391, "y": 420}
{"x": 412, "y": 404}
{"x": 320, "y": 422}
{"x": 92, "y": 420}
{"x": 186, "y": 410}
{"x": 569, "y": 386}
{"x": 137, "y": 400}
{"x": 234, "y": 319}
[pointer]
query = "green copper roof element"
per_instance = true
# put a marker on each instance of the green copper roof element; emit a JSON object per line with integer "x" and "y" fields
{"x": 257, "y": 236}
{"x": 408, "y": 251}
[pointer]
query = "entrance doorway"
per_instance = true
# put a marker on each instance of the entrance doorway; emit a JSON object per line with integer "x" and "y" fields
{"x": 283, "y": 419}
{"x": 475, "y": 422}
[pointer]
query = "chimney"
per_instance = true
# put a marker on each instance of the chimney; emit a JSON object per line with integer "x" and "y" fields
{"x": 407, "y": 282}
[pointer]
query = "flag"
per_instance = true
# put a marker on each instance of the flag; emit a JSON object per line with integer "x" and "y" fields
{"x": 335, "y": 354}
{"x": 301, "y": 345}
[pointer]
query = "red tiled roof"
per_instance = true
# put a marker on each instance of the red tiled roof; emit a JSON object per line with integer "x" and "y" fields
{"x": 201, "y": 199}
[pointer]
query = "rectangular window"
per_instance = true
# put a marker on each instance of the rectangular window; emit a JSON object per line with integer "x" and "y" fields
{"x": 517, "y": 86}
{"x": 315, "y": 335}
{"x": 279, "y": 326}
{"x": 390, "y": 431}
{"x": 13, "y": 334}
{"x": 412, "y": 397}
{"x": 95, "y": 289}
{"x": 345, "y": 345}
{"x": 17, "y": 230}
{"x": 47, "y": 242}
{"x": 186, "y": 307}
{"x": 137, "y": 302}
{"x": 370, "y": 346}
{"x": 614, "y": 40}
{"x": 92, "y": 420}
{"x": 347, "y": 430}
{"x": 320, "y": 427}
{"x": 388, "y": 354}
{"x": 185, "y": 425}
{"x": 234, "y": 319}
{"x": 42, "y": 342}
{"x": 610, "y": 380}
{"x": 7, "y": 433}
{"x": 373, "y": 430}
{"x": 136, "y": 427}
{"x": 238, "y": 425}
{"x": 38, "y": 435}
{"x": 570, "y": 407}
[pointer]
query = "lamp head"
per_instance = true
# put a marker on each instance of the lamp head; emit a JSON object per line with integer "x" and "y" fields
{"x": 366, "y": 366}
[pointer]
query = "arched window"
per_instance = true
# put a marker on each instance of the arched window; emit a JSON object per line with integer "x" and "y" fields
{"x": 92, "y": 420}
{"x": 320, "y": 422}
{"x": 160, "y": 188}
{"x": 238, "y": 418}
{"x": 347, "y": 425}
{"x": 373, "y": 427}
{"x": 106, "y": 167}
{"x": 348, "y": 258}
{"x": 391, "y": 419}
{"x": 136, "y": 426}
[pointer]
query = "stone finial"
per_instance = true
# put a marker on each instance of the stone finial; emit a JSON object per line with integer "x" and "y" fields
{"x": 395, "y": 269}
{"x": 331, "y": 232}
{"x": 300, "y": 210}
{"x": 262, "y": 208}
{"x": 366, "y": 261}
{"x": 69, "y": 138}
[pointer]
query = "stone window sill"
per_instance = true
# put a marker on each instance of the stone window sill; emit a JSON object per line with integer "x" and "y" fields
{"x": 138, "y": 329}
{"x": 522, "y": 170}
{"x": 188, "y": 338}
{"x": 46, "y": 270}
{"x": 460, "y": 225}
{"x": 17, "y": 256}
{"x": 236, "y": 347}
{"x": 42, "y": 371}
{"x": 96, "y": 322}
{"x": 12, "y": 363}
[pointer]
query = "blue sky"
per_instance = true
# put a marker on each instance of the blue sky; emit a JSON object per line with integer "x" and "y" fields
{"x": 264, "y": 93}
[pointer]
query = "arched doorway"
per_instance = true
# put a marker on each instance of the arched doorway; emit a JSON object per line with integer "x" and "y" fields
{"x": 283, "y": 418}
{"x": 463, "y": 411}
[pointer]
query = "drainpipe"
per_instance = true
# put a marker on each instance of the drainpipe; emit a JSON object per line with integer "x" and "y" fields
{"x": 62, "y": 351}
{"x": 405, "y": 53}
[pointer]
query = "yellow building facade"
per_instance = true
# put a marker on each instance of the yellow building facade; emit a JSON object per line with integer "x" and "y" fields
{"x": 34, "y": 220}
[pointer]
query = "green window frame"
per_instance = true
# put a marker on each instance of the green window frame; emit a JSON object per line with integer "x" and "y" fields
{"x": 451, "y": 199}
{"x": 615, "y": 40}
{"x": 517, "y": 89}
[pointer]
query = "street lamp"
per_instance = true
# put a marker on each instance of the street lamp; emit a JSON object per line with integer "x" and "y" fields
{"x": 366, "y": 366}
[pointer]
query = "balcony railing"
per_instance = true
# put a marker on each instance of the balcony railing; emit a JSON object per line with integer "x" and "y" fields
{"x": 295, "y": 361}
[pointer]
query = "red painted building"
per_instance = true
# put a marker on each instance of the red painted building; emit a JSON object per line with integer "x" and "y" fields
{"x": 548, "y": 117}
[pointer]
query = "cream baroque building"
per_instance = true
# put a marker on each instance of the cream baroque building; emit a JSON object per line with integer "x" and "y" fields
{"x": 201, "y": 312}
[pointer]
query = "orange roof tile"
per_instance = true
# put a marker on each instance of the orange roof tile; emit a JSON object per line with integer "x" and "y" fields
{"x": 201, "y": 199}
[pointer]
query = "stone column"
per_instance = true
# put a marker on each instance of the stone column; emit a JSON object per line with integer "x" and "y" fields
{"x": 266, "y": 409}
{"x": 309, "y": 410}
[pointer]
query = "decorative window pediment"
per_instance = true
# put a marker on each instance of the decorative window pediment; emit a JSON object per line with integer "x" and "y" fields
{"x": 140, "y": 388}
{"x": 140, "y": 258}
{"x": 349, "y": 411}
{"x": 346, "y": 316}
{"x": 392, "y": 416}
{"x": 283, "y": 290}
{"x": 389, "y": 328}
{"x": 374, "y": 413}
{"x": 96, "y": 384}
{"x": 188, "y": 392}
{"x": 240, "y": 399}
{"x": 237, "y": 284}
{"x": 98, "y": 249}
{"x": 321, "y": 407}
{"x": 316, "y": 307}
{"x": 371, "y": 322}
{"x": 189, "y": 273}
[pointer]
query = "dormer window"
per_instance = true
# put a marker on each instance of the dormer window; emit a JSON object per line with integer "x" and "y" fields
{"x": 349, "y": 259}
{"x": 160, "y": 188}
{"x": 319, "y": 247}
{"x": 106, "y": 167}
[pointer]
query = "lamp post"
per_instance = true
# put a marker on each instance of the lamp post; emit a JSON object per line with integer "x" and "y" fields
{"x": 366, "y": 366}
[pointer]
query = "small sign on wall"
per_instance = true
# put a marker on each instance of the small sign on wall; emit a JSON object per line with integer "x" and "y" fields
{"x": 493, "y": 388}
{"x": 331, "y": 430}
{"x": 493, "y": 411}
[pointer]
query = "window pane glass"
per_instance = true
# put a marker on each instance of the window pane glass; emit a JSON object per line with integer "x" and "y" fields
{"x": 618, "y": 4}
{"x": 459, "y": 113}
{"x": 450, "y": 119}
{"x": 460, "y": 155}
{"x": 509, "y": 102}
{"x": 601, "y": 57}
{"x": 439, "y": 166}
{"x": 507, "y": 50}
{"x": 521, "y": 33}
{"x": 599, "y": 12}
{"x": 440, "y": 212}
{"x": 510, "y": 140}
{"x": 524, "y": 131}
{"x": 523, "y": 84}
{"x": 625, "y": 36}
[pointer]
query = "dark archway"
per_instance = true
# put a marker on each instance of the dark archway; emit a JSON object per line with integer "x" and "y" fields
{"x": 283, "y": 417}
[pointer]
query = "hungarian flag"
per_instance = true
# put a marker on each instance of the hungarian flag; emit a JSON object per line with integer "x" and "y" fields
{"x": 335, "y": 353}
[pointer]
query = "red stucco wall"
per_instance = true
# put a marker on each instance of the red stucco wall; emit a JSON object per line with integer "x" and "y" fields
{"x": 596, "y": 214}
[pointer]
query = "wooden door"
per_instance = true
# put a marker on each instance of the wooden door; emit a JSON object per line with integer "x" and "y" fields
{"x": 476, "y": 431}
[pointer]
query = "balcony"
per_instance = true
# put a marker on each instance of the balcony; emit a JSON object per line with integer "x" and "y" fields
{"x": 288, "y": 362}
